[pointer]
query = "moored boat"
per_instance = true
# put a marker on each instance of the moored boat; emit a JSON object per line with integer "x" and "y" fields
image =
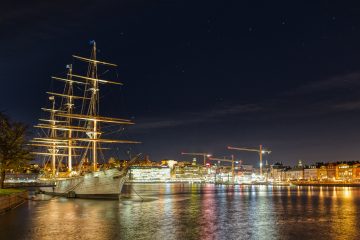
{"x": 71, "y": 133}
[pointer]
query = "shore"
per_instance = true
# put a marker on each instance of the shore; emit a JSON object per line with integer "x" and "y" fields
{"x": 11, "y": 198}
{"x": 326, "y": 184}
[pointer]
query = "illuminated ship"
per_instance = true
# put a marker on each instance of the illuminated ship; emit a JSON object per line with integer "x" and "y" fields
{"x": 72, "y": 134}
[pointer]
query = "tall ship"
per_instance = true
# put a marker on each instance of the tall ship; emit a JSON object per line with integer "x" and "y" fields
{"x": 70, "y": 137}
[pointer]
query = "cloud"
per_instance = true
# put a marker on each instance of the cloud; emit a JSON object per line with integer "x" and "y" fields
{"x": 202, "y": 117}
{"x": 347, "y": 106}
{"x": 349, "y": 80}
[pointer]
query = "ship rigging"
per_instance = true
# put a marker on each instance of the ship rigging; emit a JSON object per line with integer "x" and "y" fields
{"x": 73, "y": 130}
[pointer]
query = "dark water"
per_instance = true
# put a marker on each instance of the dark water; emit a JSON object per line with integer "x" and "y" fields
{"x": 195, "y": 212}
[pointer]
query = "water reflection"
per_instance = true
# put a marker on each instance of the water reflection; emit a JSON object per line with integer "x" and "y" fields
{"x": 195, "y": 212}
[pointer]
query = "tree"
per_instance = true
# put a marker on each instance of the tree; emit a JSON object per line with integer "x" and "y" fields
{"x": 14, "y": 153}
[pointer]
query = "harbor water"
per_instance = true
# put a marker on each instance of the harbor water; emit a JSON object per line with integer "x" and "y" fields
{"x": 193, "y": 211}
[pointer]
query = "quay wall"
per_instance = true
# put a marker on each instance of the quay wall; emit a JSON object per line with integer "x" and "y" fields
{"x": 327, "y": 184}
{"x": 10, "y": 201}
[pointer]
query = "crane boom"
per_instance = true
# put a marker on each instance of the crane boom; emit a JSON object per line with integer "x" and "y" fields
{"x": 249, "y": 149}
{"x": 259, "y": 150}
{"x": 195, "y": 154}
{"x": 221, "y": 159}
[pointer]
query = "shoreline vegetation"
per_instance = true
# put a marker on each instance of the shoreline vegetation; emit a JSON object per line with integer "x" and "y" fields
{"x": 8, "y": 191}
{"x": 14, "y": 151}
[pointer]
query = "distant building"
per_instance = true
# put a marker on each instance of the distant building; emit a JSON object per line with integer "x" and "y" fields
{"x": 194, "y": 162}
{"x": 277, "y": 172}
{"x": 356, "y": 172}
{"x": 322, "y": 174}
{"x": 169, "y": 163}
{"x": 311, "y": 173}
{"x": 246, "y": 168}
{"x": 344, "y": 172}
{"x": 331, "y": 171}
{"x": 295, "y": 173}
{"x": 149, "y": 174}
{"x": 326, "y": 172}
{"x": 189, "y": 172}
{"x": 224, "y": 174}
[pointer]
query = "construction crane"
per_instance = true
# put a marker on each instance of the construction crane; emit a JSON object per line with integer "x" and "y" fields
{"x": 259, "y": 150}
{"x": 204, "y": 155}
{"x": 227, "y": 160}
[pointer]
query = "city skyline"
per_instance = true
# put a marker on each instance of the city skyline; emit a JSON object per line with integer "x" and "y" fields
{"x": 201, "y": 76}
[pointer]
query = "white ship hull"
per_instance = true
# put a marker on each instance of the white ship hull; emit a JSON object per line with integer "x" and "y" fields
{"x": 106, "y": 184}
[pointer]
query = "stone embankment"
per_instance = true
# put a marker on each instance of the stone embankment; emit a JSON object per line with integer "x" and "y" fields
{"x": 11, "y": 198}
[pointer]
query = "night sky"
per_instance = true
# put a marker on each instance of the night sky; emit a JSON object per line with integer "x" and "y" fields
{"x": 200, "y": 75}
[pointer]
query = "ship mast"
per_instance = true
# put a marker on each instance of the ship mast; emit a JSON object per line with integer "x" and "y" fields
{"x": 53, "y": 149}
{"x": 94, "y": 99}
{"x": 68, "y": 126}
{"x": 69, "y": 106}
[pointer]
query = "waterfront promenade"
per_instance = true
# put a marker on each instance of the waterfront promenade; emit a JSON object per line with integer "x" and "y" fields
{"x": 10, "y": 198}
